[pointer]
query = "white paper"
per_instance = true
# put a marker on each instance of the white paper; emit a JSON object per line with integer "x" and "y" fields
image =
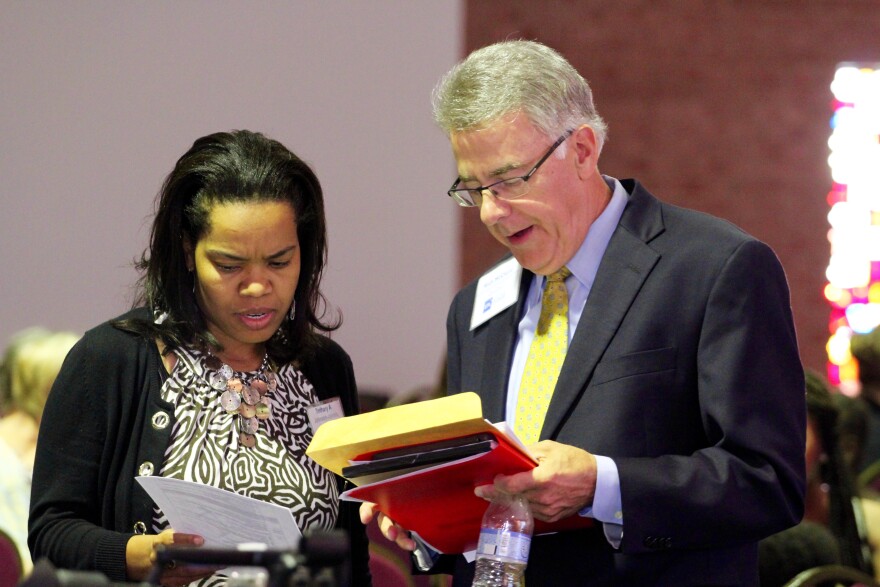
{"x": 223, "y": 518}
{"x": 507, "y": 431}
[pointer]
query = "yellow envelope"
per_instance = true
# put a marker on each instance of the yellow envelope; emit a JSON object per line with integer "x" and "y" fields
{"x": 340, "y": 441}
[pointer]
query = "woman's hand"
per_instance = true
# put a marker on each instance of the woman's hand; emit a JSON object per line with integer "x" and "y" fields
{"x": 389, "y": 528}
{"x": 140, "y": 556}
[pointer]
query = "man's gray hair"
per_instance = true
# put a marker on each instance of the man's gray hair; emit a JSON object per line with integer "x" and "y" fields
{"x": 516, "y": 76}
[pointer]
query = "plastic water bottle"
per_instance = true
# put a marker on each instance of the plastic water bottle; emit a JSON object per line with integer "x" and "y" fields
{"x": 505, "y": 538}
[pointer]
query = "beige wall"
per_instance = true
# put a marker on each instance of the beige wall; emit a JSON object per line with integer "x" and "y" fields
{"x": 100, "y": 97}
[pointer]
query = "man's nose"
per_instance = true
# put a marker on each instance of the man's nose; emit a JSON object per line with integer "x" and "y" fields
{"x": 492, "y": 208}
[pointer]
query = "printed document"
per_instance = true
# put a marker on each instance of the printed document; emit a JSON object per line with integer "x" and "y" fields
{"x": 223, "y": 518}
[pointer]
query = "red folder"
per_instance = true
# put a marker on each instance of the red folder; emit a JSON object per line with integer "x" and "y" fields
{"x": 437, "y": 502}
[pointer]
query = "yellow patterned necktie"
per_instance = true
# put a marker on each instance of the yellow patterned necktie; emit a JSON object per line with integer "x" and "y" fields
{"x": 545, "y": 359}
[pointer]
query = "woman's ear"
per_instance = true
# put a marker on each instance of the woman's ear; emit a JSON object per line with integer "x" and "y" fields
{"x": 189, "y": 254}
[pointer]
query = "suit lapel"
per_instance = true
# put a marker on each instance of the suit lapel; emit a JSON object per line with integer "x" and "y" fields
{"x": 500, "y": 338}
{"x": 627, "y": 262}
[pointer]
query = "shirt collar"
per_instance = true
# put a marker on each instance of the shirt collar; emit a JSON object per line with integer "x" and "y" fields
{"x": 585, "y": 262}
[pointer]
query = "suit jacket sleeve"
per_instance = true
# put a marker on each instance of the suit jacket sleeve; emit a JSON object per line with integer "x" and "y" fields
{"x": 80, "y": 493}
{"x": 748, "y": 480}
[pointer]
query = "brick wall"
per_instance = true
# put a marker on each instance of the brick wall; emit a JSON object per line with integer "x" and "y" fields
{"x": 721, "y": 106}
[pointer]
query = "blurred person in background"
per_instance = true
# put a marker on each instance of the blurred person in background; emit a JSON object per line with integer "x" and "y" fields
{"x": 865, "y": 349}
{"x": 853, "y": 418}
{"x": 28, "y": 369}
{"x": 832, "y": 496}
{"x": 831, "y": 501}
{"x": 784, "y": 555}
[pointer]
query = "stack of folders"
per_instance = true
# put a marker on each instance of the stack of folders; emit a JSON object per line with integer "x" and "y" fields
{"x": 421, "y": 462}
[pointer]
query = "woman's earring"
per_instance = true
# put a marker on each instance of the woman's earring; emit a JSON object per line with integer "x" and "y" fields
{"x": 280, "y": 334}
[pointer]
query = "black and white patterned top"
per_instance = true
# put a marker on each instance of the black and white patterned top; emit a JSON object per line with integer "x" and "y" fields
{"x": 205, "y": 447}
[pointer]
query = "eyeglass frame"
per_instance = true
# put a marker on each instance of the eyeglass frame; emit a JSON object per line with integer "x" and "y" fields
{"x": 454, "y": 192}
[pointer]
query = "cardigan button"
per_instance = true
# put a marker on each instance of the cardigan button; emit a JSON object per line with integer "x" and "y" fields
{"x": 146, "y": 469}
{"x": 160, "y": 420}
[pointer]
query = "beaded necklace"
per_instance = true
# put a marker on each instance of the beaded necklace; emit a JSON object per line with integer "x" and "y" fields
{"x": 244, "y": 395}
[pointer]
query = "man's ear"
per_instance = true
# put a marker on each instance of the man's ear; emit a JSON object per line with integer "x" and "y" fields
{"x": 586, "y": 150}
{"x": 189, "y": 254}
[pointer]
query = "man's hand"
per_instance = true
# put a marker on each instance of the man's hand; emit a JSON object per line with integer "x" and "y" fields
{"x": 562, "y": 484}
{"x": 140, "y": 556}
{"x": 390, "y": 530}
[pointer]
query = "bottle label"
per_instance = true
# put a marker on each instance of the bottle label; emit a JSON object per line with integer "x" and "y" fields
{"x": 511, "y": 546}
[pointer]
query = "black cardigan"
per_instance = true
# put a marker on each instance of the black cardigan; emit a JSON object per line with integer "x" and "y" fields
{"x": 97, "y": 432}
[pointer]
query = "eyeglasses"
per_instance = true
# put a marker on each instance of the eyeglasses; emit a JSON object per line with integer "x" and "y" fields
{"x": 505, "y": 189}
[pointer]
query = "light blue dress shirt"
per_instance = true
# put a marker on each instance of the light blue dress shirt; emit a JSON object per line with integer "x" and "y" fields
{"x": 583, "y": 266}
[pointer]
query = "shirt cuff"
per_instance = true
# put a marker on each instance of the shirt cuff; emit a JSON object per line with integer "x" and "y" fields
{"x": 607, "y": 502}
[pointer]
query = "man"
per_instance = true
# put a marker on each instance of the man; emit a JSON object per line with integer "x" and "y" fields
{"x": 677, "y": 419}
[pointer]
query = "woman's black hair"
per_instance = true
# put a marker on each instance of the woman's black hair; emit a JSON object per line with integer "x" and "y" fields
{"x": 231, "y": 167}
{"x": 837, "y": 476}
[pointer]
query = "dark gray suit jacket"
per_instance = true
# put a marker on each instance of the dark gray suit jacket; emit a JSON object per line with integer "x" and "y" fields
{"x": 684, "y": 369}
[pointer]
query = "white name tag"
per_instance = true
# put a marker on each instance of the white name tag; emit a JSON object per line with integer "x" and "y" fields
{"x": 497, "y": 290}
{"x": 321, "y": 412}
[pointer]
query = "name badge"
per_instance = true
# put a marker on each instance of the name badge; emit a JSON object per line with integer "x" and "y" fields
{"x": 321, "y": 412}
{"x": 497, "y": 290}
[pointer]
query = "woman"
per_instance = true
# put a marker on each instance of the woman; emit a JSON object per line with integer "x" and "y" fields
{"x": 29, "y": 366}
{"x": 210, "y": 380}
{"x": 839, "y": 527}
{"x": 865, "y": 348}
{"x": 831, "y": 496}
